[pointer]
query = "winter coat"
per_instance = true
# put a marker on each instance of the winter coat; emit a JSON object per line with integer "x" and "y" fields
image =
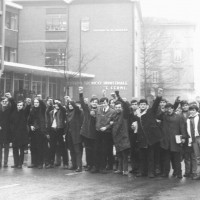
{"x": 103, "y": 119}
{"x": 172, "y": 125}
{"x": 120, "y": 128}
{"x": 37, "y": 118}
{"x": 19, "y": 127}
{"x": 74, "y": 123}
{"x": 60, "y": 116}
{"x": 88, "y": 128}
{"x": 149, "y": 132}
{"x": 5, "y": 132}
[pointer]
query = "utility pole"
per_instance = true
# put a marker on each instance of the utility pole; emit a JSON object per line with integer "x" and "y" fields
{"x": 2, "y": 44}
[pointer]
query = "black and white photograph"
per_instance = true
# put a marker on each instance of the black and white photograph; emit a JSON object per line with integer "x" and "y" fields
{"x": 99, "y": 100}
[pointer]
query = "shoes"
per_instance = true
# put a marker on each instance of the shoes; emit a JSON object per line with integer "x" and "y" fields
{"x": 14, "y": 166}
{"x": 65, "y": 167}
{"x": 180, "y": 176}
{"x": 40, "y": 167}
{"x": 125, "y": 173}
{"x": 19, "y": 167}
{"x": 57, "y": 165}
{"x": 164, "y": 175}
{"x": 151, "y": 175}
{"x": 48, "y": 166}
{"x": 32, "y": 166}
{"x": 174, "y": 174}
{"x": 187, "y": 175}
{"x": 118, "y": 172}
{"x": 88, "y": 168}
{"x": 141, "y": 175}
{"x": 94, "y": 170}
{"x": 72, "y": 168}
{"x": 79, "y": 169}
{"x": 5, "y": 165}
{"x": 103, "y": 171}
{"x": 196, "y": 177}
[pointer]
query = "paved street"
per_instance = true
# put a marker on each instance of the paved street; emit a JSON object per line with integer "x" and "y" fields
{"x": 60, "y": 184}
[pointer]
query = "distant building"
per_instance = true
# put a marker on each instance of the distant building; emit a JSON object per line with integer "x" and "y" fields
{"x": 101, "y": 39}
{"x": 171, "y": 56}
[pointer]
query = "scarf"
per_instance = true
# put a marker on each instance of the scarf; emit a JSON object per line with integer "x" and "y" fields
{"x": 192, "y": 131}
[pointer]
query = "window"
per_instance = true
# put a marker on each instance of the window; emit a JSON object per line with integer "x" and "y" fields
{"x": 154, "y": 76}
{"x": 55, "y": 22}
{"x": 11, "y": 21}
{"x": 10, "y": 54}
{"x": 55, "y": 57}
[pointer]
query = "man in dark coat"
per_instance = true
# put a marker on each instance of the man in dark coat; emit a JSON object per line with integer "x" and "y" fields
{"x": 88, "y": 128}
{"x": 120, "y": 133}
{"x": 57, "y": 124}
{"x": 149, "y": 134}
{"x": 19, "y": 130}
{"x": 7, "y": 107}
{"x": 104, "y": 141}
{"x": 173, "y": 128}
{"x": 73, "y": 126}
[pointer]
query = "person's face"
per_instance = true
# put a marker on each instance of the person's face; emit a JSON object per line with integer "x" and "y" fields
{"x": 20, "y": 106}
{"x": 104, "y": 104}
{"x": 94, "y": 103}
{"x": 56, "y": 106}
{"x": 185, "y": 107}
{"x": 70, "y": 107}
{"x": 4, "y": 102}
{"x": 193, "y": 112}
{"x": 112, "y": 103}
{"x": 118, "y": 108}
{"x": 143, "y": 106}
{"x": 163, "y": 104}
{"x": 50, "y": 102}
{"x": 36, "y": 103}
{"x": 28, "y": 100}
{"x": 169, "y": 111}
{"x": 134, "y": 106}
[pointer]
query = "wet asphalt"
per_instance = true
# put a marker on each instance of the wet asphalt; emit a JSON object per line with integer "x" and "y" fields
{"x": 62, "y": 184}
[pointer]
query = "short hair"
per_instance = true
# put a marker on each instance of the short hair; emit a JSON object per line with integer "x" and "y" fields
{"x": 104, "y": 99}
{"x": 118, "y": 103}
{"x": 94, "y": 99}
{"x": 134, "y": 101}
{"x": 20, "y": 102}
{"x": 194, "y": 107}
{"x": 3, "y": 98}
{"x": 143, "y": 101}
{"x": 163, "y": 99}
{"x": 169, "y": 105}
{"x": 184, "y": 102}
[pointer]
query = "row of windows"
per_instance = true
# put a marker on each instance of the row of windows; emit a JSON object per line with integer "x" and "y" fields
{"x": 11, "y": 21}
{"x": 55, "y": 22}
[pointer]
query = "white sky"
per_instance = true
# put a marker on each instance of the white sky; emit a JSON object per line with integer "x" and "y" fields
{"x": 172, "y": 9}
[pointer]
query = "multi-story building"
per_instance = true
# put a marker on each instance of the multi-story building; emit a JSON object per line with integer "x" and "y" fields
{"x": 62, "y": 44}
{"x": 168, "y": 58}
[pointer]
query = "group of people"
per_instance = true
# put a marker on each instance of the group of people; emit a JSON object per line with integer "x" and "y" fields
{"x": 155, "y": 138}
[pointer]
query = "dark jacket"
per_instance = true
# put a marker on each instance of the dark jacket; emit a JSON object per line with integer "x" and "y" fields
{"x": 74, "y": 123}
{"x": 172, "y": 125}
{"x": 120, "y": 128}
{"x": 5, "y": 132}
{"x": 149, "y": 132}
{"x": 19, "y": 127}
{"x": 37, "y": 118}
{"x": 60, "y": 117}
{"x": 88, "y": 128}
{"x": 103, "y": 119}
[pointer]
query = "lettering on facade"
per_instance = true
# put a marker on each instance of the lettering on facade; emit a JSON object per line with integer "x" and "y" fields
{"x": 111, "y": 30}
{"x": 108, "y": 85}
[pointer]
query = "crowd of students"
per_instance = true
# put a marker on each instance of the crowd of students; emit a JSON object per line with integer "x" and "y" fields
{"x": 155, "y": 138}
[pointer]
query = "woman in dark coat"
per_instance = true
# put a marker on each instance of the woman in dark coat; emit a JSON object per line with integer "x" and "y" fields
{"x": 73, "y": 126}
{"x": 19, "y": 131}
{"x": 38, "y": 134}
{"x": 120, "y": 134}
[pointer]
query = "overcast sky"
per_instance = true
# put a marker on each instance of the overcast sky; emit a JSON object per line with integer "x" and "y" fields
{"x": 173, "y": 9}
